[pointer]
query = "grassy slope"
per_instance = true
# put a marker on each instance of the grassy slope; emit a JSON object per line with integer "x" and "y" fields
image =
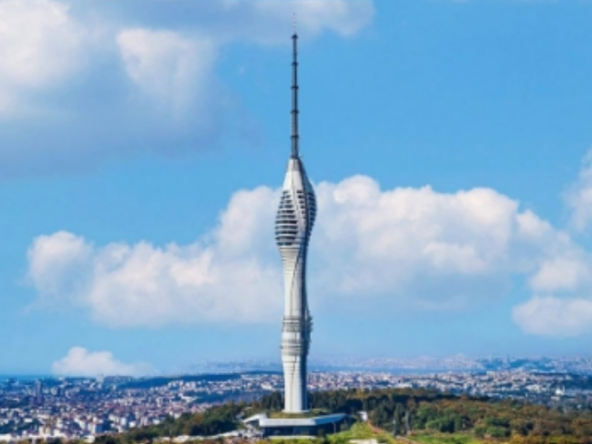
{"x": 357, "y": 431}
{"x": 366, "y": 431}
{"x": 438, "y": 438}
{"x": 362, "y": 430}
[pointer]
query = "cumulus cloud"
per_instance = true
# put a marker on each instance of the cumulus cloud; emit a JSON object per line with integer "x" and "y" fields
{"x": 266, "y": 21}
{"x": 41, "y": 45}
{"x": 579, "y": 197}
{"x": 562, "y": 301}
{"x": 55, "y": 256}
{"x": 561, "y": 285}
{"x": 81, "y": 362}
{"x": 552, "y": 316}
{"x": 343, "y": 17}
{"x": 147, "y": 73}
{"x": 568, "y": 272}
{"x": 217, "y": 278}
{"x": 402, "y": 247}
{"x": 172, "y": 69}
{"x": 415, "y": 244}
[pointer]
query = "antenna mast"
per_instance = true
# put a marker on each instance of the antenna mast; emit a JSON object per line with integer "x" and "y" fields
{"x": 295, "y": 135}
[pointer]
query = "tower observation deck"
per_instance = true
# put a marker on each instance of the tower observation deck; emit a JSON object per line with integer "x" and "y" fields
{"x": 294, "y": 222}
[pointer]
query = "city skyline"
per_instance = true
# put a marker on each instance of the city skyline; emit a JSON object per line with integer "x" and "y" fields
{"x": 79, "y": 407}
{"x": 448, "y": 144}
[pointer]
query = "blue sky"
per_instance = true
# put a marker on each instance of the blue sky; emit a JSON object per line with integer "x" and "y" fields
{"x": 142, "y": 145}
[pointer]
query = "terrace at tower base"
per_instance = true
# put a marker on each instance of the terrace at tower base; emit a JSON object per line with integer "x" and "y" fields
{"x": 298, "y": 427}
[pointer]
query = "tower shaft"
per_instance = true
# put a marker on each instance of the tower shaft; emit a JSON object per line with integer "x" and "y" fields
{"x": 294, "y": 222}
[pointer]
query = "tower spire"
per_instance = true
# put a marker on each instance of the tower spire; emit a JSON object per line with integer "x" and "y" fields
{"x": 295, "y": 136}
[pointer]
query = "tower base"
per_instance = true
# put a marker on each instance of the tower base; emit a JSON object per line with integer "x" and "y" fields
{"x": 297, "y": 427}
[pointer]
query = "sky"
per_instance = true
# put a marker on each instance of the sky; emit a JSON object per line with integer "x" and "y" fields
{"x": 143, "y": 144}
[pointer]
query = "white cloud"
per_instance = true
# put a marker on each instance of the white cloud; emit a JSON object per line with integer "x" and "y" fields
{"x": 562, "y": 282}
{"x": 176, "y": 67}
{"x": 40, "y": 44}
{"x": 552, "y": 316}
{"x": 579, "y": 197}
{"x": 147, "y": 74}
{"x": 80, "y": 362}
{"x": 43, "y": 43}
{"x": 215, "y": 279}
{"x": 411, "y": 243}
{"x": 562, "y": 305}
{"x": 563, "y": 273}
{"x": 173, "y": 69}
{"x": 401, "y": 247}
{"x": 341, "y": 16}
{"x": 55, "y": 256}
{"x": 267, "y": 20}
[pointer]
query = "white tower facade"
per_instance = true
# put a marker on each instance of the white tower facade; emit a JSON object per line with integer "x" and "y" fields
{"x": 294, "y": 222}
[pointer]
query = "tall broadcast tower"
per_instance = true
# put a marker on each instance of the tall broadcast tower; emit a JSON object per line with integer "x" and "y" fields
{"x": 293, "y": 226}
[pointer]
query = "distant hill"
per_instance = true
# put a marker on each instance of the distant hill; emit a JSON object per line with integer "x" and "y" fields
{"x": 159, "y": 381}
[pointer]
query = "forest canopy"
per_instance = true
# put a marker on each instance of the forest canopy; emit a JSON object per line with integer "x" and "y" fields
{"x": 402, "y": 412}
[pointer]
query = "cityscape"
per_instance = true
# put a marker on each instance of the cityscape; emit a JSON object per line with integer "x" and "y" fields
{"x": 82, "y": 408}
{"x": 443, "y": 215}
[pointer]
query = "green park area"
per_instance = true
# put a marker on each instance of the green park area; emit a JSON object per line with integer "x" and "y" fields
{"x": 394, "y": 416}
{"x": 447, "y": 438}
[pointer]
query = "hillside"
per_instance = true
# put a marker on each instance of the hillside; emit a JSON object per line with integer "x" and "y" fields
{"x": 419, "y": 415}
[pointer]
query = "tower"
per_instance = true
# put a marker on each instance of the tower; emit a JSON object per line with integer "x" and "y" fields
{"x": 294, "y": 221}
{"x": 293, "y": 226}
